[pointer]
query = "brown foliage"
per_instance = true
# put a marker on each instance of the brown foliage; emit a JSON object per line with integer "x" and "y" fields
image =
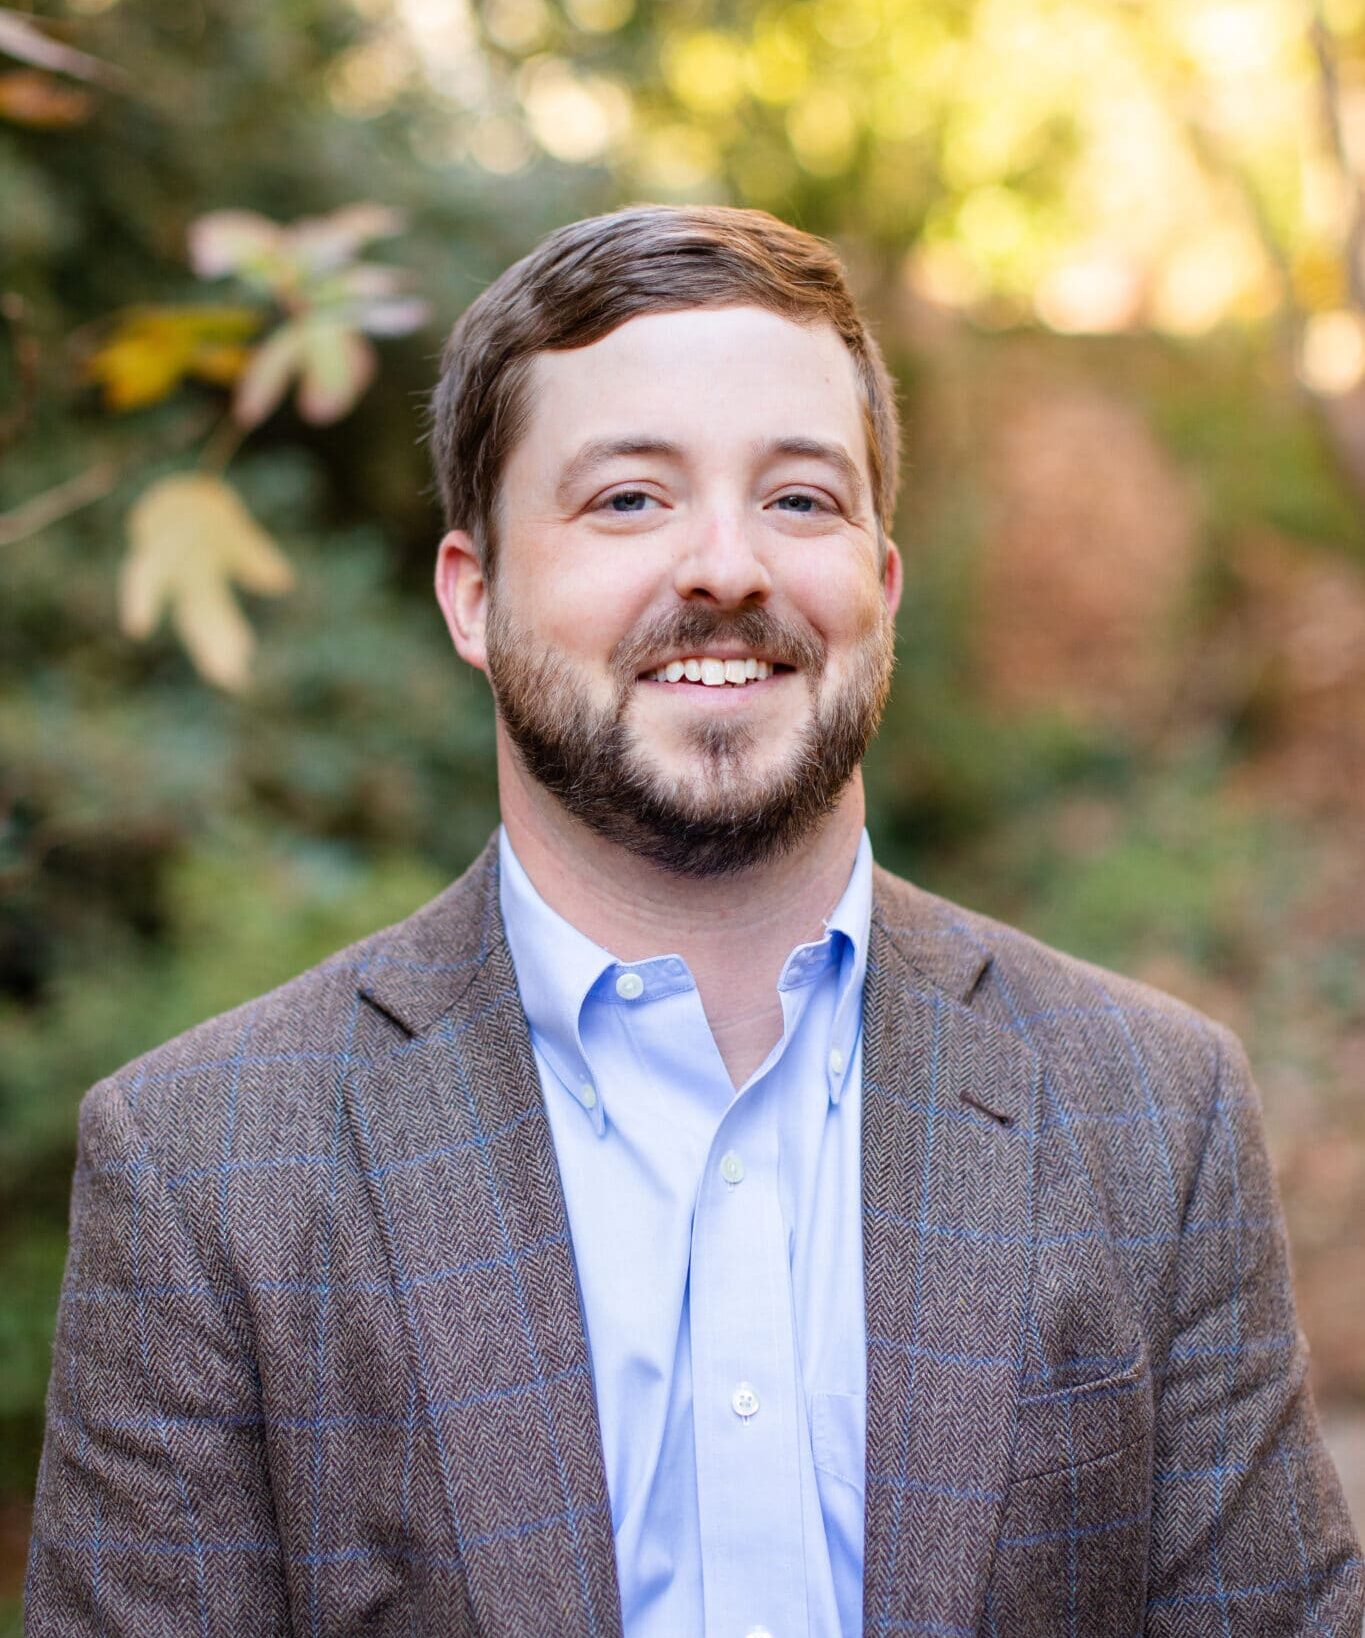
{"x": 1089, "y": 559}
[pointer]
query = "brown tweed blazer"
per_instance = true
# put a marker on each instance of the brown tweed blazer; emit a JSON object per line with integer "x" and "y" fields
{"x": 321, "y": 1367}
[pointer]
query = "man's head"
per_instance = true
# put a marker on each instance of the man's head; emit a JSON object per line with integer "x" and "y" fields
{"x": 665, "y": 438}
{"x": 584, "y": 281}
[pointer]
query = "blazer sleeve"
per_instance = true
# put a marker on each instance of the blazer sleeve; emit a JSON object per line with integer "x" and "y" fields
{"x": 1250, "y": 1534}
{"x": 153, "y": 1512}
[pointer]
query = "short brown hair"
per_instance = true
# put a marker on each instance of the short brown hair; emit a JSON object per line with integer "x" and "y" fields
{"x": 590, "y": 277}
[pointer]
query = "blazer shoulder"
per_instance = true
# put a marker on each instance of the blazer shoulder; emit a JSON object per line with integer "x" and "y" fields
{"x": 276, "y": 1057}
{"x": 1075, "y": 1013}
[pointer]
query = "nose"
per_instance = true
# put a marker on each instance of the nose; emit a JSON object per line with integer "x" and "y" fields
{"x": 720, "y": 565}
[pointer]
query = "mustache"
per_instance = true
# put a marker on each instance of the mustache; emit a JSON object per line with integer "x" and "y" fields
{"x": 694, "y": 628}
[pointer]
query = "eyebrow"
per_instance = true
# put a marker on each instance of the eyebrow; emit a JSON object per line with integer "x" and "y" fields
{"x": 816, "y": 449}
{"x": 598, "y": 451}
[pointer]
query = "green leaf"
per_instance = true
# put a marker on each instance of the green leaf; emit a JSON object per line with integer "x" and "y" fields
{"x": 266, "y": 378}
{"x": 338, "y": 366}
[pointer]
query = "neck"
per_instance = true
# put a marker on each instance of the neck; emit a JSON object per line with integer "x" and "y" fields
{"x": 735, "y": 932}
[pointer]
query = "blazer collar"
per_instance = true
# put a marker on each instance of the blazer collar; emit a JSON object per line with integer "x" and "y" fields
{"x": 417, "y": 970}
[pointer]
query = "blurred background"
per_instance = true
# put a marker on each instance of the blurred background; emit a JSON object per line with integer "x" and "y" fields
{"x": 1115, "y": 252}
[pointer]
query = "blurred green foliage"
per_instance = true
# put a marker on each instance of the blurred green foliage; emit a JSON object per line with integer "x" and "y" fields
{"x": 167, "y": 850}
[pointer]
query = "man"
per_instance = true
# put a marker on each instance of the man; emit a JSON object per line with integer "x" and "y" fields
{"x": 680, "y": 1226}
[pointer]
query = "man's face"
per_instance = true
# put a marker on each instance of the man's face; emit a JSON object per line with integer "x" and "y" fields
{"x": 691, "y": 492}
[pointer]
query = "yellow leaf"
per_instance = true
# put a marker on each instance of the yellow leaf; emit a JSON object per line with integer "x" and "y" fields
{"x": 190, "y": 539}
{"x": 219, "y": 362}
{"x": 152, "y": 349}
{"x": 136, "y": 370}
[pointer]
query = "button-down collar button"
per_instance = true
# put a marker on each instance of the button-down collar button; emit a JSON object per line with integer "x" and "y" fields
{"x": 630, "y": 986}
{"x": 836, "y": 1062}
{"x": 731, "y": 1167}
{"x": 744, "y": 1401}
{"x": 589, "y": 1092}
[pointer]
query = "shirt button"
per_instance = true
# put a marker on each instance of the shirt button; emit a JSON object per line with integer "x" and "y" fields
{"x": 589, "y": 1095}
{"x": 836, "y": 1062}
{"x": 732, "y": 1167}
{"x": 630, "y": 986}
{"x": 744, "y": 1401}
{"x": 758, "y": 1632}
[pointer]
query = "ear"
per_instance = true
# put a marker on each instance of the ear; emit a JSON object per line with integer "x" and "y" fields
{"x": 462, "y": 592}
{"x": 893, "y": 577}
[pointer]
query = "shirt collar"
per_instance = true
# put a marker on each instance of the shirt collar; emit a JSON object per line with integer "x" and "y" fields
{"x": 557, "y": 967}
{"x": 850, "y": 923}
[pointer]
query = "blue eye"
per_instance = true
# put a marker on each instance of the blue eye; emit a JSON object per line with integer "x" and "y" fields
{"x": 801, "y": 504}
{"x": 629, "y": 500}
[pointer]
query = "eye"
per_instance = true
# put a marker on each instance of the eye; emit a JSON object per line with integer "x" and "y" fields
{"x": 626, "y": 501}
{"x": 801, "y": 503}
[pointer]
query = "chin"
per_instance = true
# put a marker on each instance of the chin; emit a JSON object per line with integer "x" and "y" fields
{"x": 718, "y": 762}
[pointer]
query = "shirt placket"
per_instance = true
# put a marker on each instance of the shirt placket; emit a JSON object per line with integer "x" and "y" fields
{"x": 745, "y": 1384}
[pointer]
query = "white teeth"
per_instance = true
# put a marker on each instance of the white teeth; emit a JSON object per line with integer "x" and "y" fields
{"x": 714, "y": 673}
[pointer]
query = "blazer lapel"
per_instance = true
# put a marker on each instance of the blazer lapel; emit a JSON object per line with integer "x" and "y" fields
{"x": 450, "y": 1125}
{"x": 949, "y": 1108}
{"x": 450, "y": 1128}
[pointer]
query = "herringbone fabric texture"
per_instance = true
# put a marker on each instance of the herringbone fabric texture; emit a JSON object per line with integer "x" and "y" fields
{"x": 321, "y": 1367}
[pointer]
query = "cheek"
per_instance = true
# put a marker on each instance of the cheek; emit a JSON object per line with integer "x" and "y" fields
{"x": 843, "y": 601}
{"x": 580, "y": 603}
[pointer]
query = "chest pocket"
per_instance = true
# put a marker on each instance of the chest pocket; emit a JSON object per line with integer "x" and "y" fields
{"x": 1083, "y": 1421}
{"x": 838, "y": 1437}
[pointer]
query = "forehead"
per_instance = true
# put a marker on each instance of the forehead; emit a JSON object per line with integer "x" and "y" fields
{"x": 703, "y": 377}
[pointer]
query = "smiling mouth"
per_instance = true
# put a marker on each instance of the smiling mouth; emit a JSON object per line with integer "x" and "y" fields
{"x": 711, "y": 672}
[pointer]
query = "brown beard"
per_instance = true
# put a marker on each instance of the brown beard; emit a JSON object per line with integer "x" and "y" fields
{"x": 722, "y": 822}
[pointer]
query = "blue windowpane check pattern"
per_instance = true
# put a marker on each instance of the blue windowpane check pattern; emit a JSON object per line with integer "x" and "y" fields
{"x": 717, "y": 1236}
{"x": 321, "y": 1364}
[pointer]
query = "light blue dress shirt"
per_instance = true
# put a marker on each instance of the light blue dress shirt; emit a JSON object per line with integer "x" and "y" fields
{"x": 718, "y": 1240}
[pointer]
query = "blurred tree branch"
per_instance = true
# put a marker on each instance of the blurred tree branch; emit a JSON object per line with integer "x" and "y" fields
{"x": 1329, "y": 86}
{"x": 20, "y": 38}
{"x": 94, "y": 483}
{"x": 58, "y": 502}
{"x": 1342, "y": 415}
{"x": 24, "y": 344}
